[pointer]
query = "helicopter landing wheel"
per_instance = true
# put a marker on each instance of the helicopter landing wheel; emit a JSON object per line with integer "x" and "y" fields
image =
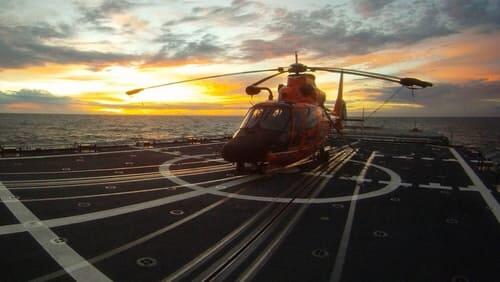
{"x": 261, "y": 168}
{"x": 322, "y": 155}
{"x": 240, "y": 167}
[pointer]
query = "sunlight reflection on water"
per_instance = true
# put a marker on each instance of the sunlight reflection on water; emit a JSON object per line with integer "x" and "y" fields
{"x": 63, "y": 129}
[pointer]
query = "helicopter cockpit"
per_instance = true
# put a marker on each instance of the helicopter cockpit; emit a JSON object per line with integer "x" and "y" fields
{"x": 265, "y": 128}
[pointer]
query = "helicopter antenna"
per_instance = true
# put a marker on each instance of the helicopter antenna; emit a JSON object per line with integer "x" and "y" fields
{"x": 296, "y": 58}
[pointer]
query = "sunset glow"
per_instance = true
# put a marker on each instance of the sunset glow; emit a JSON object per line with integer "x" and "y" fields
{"x": 81, "y": 57}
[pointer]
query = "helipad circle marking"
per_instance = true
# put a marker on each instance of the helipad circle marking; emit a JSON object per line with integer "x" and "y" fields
{"x": 58, "y": 240}
{"x": 394, "y": 183}
{"x": 380, "y": 234}
{"x": 177, "y": 212}
{"x": 84, "y": 204}
{"x": 320, "y": 253}
{"x": 147, "y": 262}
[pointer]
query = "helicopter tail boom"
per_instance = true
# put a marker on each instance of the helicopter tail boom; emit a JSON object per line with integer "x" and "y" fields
{"x": 339, "y": 109}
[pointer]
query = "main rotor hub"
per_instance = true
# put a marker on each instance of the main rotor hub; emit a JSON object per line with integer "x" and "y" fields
{"x": 297, "y": 68}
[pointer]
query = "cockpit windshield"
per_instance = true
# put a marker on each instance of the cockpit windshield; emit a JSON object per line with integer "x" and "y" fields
{"x": 273, "y": 118}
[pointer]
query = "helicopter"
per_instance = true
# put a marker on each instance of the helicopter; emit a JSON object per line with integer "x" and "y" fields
{"x": 295, "y": 126}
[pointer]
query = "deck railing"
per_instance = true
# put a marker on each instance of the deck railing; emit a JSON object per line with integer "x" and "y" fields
{"x": 9, "y": 150}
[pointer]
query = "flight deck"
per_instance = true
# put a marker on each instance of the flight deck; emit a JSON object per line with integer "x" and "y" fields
{"x": 375, "y": 211}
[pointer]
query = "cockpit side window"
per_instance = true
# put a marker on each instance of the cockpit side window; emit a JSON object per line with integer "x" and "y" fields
{"x": 252, "y": 118}
{"x": 273, "y": 118}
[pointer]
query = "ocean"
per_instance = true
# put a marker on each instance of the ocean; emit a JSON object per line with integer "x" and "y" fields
{"x": 53, "y": 129}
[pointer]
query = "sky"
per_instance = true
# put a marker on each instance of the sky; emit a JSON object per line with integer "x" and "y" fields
{"x": 79, "y": 57}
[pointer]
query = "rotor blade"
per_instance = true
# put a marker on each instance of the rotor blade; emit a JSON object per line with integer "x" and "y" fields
{"x": 410, "y": 82}
{"x": 269, "y": 77}
{"x": 360, "y": 73}
{"x": 406, "y": 81}
{"x": 135, "y": 91}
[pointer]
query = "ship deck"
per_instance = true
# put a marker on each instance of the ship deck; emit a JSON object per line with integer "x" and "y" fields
{"x": 377, "y": 211}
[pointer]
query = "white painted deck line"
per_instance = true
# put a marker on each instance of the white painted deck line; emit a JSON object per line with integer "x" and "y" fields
{"x": 146, "y": 190}
{"x": 111, "y": 152}
{"x": 125, "y": 179}
{"x": 356, "y": 178}
{"x": 61, "y": 221}
{"x": 63, "y": 254}
{"x": 336, "y": 274}
{"x": 435, "y": 186}
{"x": 138, "y": 241}
{"x": 427, "y": 159}
{"x": 76, "y": 171}
{"x": 404, "y": 184}
{"x": 450, "y": 160}
{"x": 109, "y": 169}
{"x": 468, "y": 188}
{"x": 483, "y": 190}
{"x": 267, "y": 253}
{"x": 403, "y": 157}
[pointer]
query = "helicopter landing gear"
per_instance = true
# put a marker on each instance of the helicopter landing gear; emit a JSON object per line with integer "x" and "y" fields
{"x": 240, "y": 167}
{"x": 322, "y": 155}
{"x": 261, "y": 168}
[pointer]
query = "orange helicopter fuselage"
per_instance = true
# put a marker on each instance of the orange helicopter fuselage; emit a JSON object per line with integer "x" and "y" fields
{"x": 285, "y": 131}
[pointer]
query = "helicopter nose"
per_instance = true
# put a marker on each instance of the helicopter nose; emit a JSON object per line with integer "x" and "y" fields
{"x": 245, "y": 149}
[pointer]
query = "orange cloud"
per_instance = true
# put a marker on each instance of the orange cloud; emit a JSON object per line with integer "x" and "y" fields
{"x": 469, "y": 57}
{"x": 23, "y": 107}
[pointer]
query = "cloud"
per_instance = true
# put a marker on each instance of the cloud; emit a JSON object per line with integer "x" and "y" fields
{"x": 32, "y": 96}
{"x": 329, "y": 31}
{"x": 33, "y": 100}
{"x": 472, "y": 98}
{"x": 468, "y": 13}
{"x": 369, "y": 8}
{"x": 183, "y": 48}
{"x": 326, "y": 31}
{"x": 238, "y": 12}
{"x": 100, "y": 17}
{"x": 22, "y": 46}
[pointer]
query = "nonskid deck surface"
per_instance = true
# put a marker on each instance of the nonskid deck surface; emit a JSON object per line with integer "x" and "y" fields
{"x": 375, "y": 212}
